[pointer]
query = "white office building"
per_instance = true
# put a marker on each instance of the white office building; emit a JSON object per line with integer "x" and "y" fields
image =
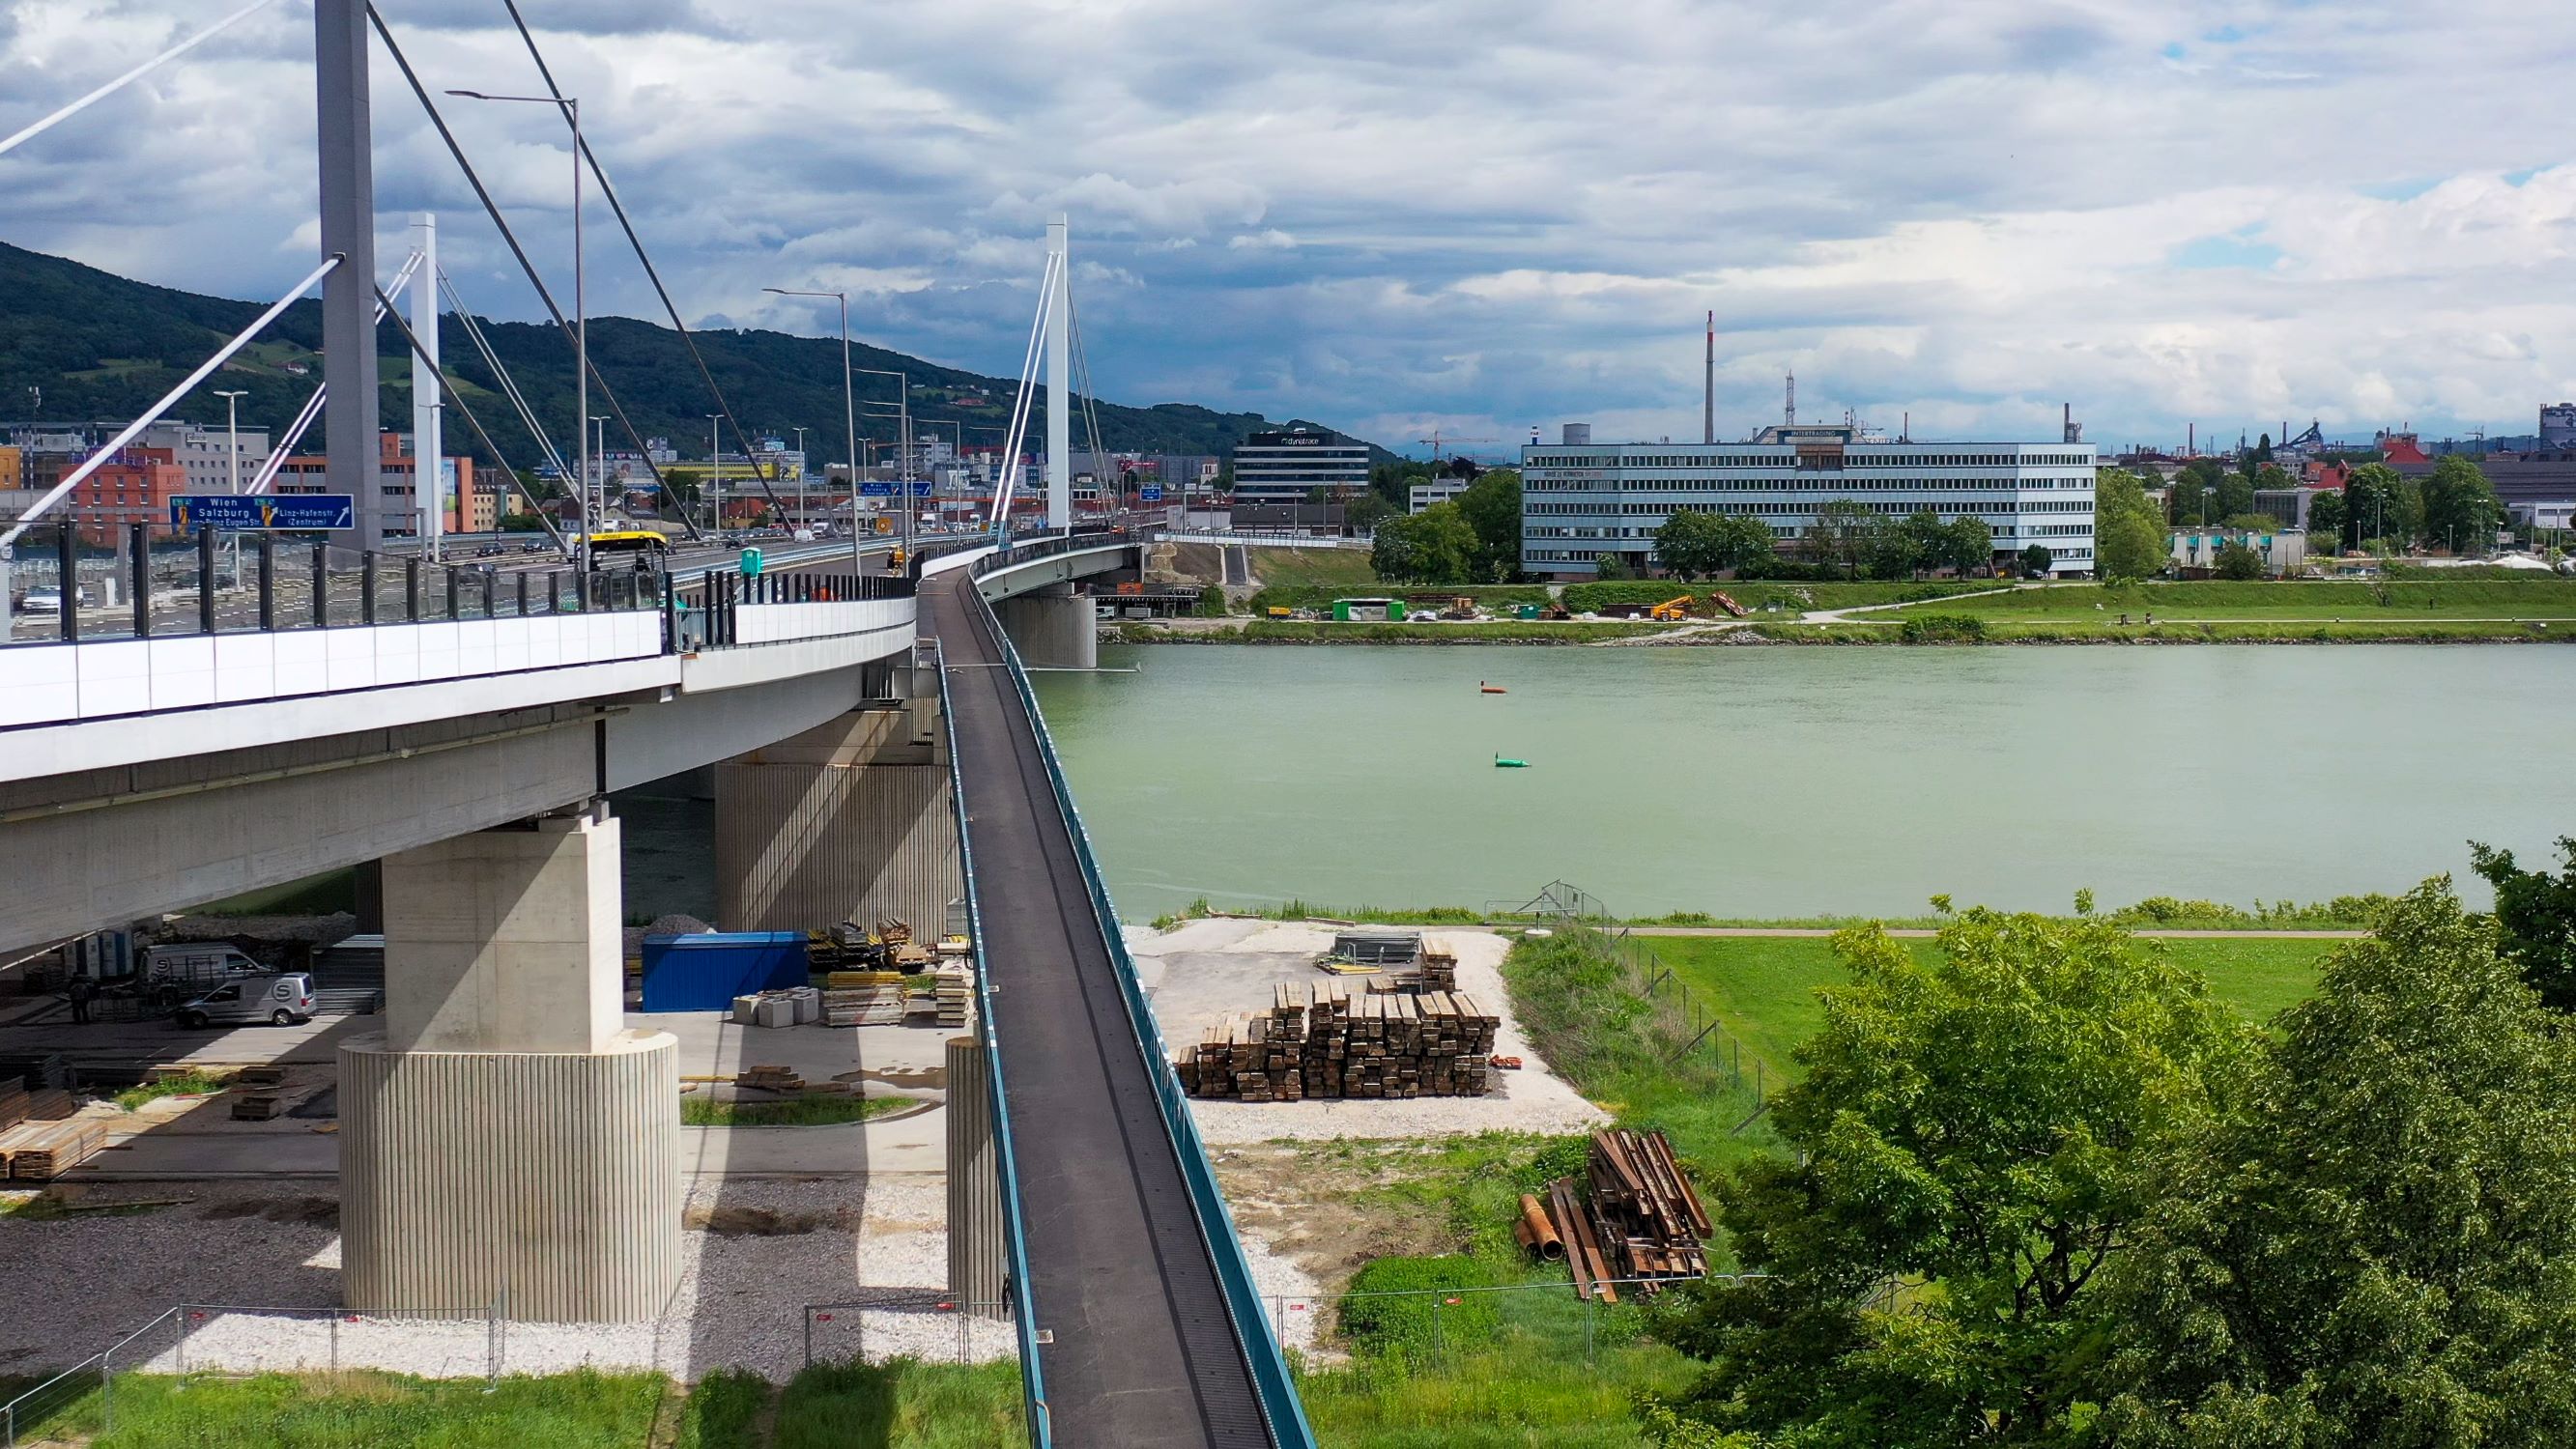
{"x": 1437, "y": 490}
{"x": 1581, "y": 499}
{"x": 1292, "y": 465}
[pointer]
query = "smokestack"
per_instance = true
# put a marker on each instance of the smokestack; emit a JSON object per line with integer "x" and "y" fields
{"x": 1708, "y": 386}
{"x": 1789, "y": 412}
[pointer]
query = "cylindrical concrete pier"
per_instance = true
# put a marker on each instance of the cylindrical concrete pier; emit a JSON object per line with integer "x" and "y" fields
{"x": 1052, "y": 627}
{"x": 975, "y": 1250}
{"x": 555, "y": 1175}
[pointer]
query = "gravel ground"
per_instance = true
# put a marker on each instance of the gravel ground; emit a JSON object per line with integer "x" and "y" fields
{"x": 1200, "y": 971}
{"x": 755, "y": 1254}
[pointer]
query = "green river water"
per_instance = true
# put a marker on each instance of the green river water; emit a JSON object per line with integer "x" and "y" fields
{"x": 1751, "y": 782}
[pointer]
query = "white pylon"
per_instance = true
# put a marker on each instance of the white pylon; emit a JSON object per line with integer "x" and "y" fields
{"x": 428, "y": 480}
{"x": 1059, "y": 348}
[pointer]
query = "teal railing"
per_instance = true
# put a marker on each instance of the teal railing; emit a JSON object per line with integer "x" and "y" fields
{"x": 1280, "y": 1406}
{"x": 1023, "y": 1307}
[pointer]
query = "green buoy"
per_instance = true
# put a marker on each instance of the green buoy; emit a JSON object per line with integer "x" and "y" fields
{"x": 1503, "y": 764}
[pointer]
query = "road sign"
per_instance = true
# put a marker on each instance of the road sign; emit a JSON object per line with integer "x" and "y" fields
{"x": 263, "y": 510}
{"x": 1151, "y": 493}
{"x": 871, "y": 489}
{"x": 924, "y": 487}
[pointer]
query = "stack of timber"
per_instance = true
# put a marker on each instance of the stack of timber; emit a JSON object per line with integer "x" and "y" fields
{"x": 50, "y": 1105}
{"x": 863, "y": 998}
{"x": 40, "y": 1151}
{"x": 1439, "y": 972}
{"x": 771, "y": 1078}
{"x": 945, "y": 1005}
{"x": 1643, "y": 1224}
{"x": 1319, "y": 1041}
{"x": 13, "y": 1102}
{"x": 39, "y": 1069}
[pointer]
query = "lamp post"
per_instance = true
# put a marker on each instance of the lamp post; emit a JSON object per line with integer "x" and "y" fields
{"x": 571, "y": 108}
{"x": 708, "y": 492}
{"x": 903, "y": 442}
{"x": 599, "y": 456}
{"x": 232, "y": 471}
{"x": 849, "y": 413}
{"x": 802, "y": 507}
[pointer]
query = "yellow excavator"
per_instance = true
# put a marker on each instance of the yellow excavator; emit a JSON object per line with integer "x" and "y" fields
{"x": 1671, "y": 609}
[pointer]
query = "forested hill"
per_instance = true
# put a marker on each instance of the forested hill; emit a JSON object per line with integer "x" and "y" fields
{"x": 102, "y": 348}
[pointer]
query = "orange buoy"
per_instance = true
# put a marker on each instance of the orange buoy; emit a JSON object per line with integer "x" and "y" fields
{"x": 1483, "y": 688}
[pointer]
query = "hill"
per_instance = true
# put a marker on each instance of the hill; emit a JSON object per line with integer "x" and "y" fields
{"x": 102, "y": 347}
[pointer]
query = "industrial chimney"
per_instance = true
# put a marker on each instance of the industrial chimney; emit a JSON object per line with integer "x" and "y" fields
{"x": 1708, "y": 386}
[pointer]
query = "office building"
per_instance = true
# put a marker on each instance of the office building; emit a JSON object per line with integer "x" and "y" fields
{"x": 134, "y": 486}
{"x": 2558, "y": 427}
{"x": 468, "y": 508}
{"x": 1422, "y": 495}
{"x": 205, "y": 452}
{"x": 1292, "y": 466}
{"x": 1581, "y": 499}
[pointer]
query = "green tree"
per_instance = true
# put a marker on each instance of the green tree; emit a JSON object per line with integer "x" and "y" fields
{"x": 1968, "y": 544}
{"x": 2036, "y": 559}
{"x": 2375, "y": 1247}
{"x": 1691, "y": 545}
{"x": 2236, "y": 561}
{"x": 1364, "y": 513}
{"x": 2193, "y": 489}
{"x": 2326, "y": 517}
{"x": 2535, "y": 920}
{"x": 1434, "y": 546}
{"x": 2461, "y": 509}
{"x": 1491, "y": 507}
{"x": 1747, "y": 542}
{"x": 1841, "y": 533}
{"x": 1966, "y": 1158}
{"x": 2374, "y": 505}
{"x": 2235, "y": 495}
{"x": 2129, "y": 538}
{"x": 1611, "y": 567}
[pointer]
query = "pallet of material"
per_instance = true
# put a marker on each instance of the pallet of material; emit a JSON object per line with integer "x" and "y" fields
{"x": 39, "y": 1069}
{"x": 1642, "y": 1222}
{"x": 13, "y": 1102}
{"x": 880, "y": 1005}
{"x": 57, "y": 1148}
{"x": 855, "y": 980}
{"x": 53, "y": 1104}
{"x": 258, "y": 1106}
{"x": 771, "y": 1079}
{"x": 13, "y": 1138}
{"x": 1320, "y": 1041}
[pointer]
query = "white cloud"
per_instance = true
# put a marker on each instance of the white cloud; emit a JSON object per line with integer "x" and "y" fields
{"x": 1490, "y": 214}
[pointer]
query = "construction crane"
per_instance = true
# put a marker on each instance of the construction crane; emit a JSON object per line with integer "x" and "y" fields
{"x": 1439, "y": 440}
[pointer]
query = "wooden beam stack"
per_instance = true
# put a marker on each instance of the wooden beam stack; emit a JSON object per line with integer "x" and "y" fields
{"x": 1320, "y": 1041}
{"x": 40, "y": 1151}
{"x": 1643, "y": 1221}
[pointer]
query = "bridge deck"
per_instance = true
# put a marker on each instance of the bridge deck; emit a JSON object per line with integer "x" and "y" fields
{"x": 1144, "y": 1351}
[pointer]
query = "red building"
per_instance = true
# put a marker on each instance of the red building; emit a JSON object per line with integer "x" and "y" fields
{"x": 467, "y": 509}
{"x": 135, "y": 486}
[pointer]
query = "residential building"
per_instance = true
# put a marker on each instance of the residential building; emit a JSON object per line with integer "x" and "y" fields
{"x": 1581, "y": 499}
{"x": 134, "y": 486}
{"x": 1293, "y": 465}
{"x": 205, "y": 451}
{"x": 472, "y": 505}
{"x": 1438, "y": 490}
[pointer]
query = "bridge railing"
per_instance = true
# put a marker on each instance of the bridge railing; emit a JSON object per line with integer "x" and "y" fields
{"x": 1015, "y": 1233}
{"x": 1281, "y": 1407}
{"x": 721, "y": 609}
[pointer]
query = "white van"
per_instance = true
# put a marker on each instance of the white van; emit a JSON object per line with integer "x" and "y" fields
{"x": 282, "y": 998}
{"x": 189, "y": 961}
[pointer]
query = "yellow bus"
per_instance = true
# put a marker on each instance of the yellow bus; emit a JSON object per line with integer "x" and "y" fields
{"x": 628, "y": 540}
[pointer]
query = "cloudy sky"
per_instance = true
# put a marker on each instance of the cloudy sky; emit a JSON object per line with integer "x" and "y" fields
{"x": 1479, "y": 215}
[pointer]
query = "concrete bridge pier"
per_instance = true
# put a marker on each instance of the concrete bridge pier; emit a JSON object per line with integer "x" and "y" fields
{"x": 506, "y": 1134}
{"x": 1052, "y": 627}
{"x": 850, "y": 820}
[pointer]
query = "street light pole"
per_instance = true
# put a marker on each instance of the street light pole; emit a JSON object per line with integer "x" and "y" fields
{"x": 714, "y": 486}
{"x": 600, "y": 421}
{"x": 849, "y": 417}
{"x": 903, "y": 441}
{"x": 571, "y": 108}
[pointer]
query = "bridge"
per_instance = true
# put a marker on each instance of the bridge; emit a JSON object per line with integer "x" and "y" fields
{"x": 455, "y": 731}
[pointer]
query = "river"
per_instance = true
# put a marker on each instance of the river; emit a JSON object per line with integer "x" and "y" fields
{"x": 1769, "y": 782}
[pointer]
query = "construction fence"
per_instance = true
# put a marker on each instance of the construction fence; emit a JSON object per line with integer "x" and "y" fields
{"x": 192, "y": 1339}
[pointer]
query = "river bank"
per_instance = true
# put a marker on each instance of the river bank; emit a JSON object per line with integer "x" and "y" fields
{"x": 1848, "y": 633}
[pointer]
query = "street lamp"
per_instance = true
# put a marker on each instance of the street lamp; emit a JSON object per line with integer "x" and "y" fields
{"x": 709, "y": 491}
{"x": 571, "y": 108}
{"x": 849, "y": 413}
{"x": 903, "y": 441}
{"x": 803, "y": 507}
{"x": 599, "y": 455}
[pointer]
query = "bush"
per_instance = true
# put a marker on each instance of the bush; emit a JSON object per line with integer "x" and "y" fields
{"x": 1942, "y": 628}
{"x": 1211, "y": 604}
{"x": 1421, "y": 1321}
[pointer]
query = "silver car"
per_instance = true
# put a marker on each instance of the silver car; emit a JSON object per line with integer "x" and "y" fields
{"x": 282, "y": 998}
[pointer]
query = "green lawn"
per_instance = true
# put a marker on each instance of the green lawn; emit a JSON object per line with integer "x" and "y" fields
{"x": 2354, "y": 601}
{"x": 814, "y": 1109}
{"x": 1328, "y": 568}
{"x": 1763, "y": 989}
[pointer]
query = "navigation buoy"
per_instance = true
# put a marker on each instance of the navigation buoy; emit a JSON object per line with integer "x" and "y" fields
{"x": 1500, "y": 763}
{"x": 1483, "y": 688}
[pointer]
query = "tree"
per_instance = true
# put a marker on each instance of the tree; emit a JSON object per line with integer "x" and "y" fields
{"x": 2535, "y": 920}
{"x": 1840, "y": 535}
{"x": 2372, "y": 506}
{"x": 1434, "y": 546}
{"x": 1692, "y": 545}
{"x": 2235, "y": 495}
{"x": 1364, "y": 513}
{"x": 2461, "y": 509}
{"x": 1968, "y": 544}
{"x": 2372, "y": 1246}
{"x": 2036, "y": 559}
{"x": 2236, "y": 561}
{"x": 1964, "y": 1162}
{"x": 1611, "y": 568}
{"x": 2193, "y": 488}
{"x": 2129, "y": 540}
{"x": 1491, "y": 507}
{"x": 2326, "y": 517}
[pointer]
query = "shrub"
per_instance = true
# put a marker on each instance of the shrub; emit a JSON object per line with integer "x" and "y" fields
{"x": 1942, "y": 628}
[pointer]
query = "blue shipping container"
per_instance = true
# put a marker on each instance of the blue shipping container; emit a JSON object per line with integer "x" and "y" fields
{"x": 705, "y": 972}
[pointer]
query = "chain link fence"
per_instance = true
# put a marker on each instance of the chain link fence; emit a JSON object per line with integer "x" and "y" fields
{"x": 197, "y": 1339}
{"x": 920, "y": 1323}
{"x": 1444, "y": 1327}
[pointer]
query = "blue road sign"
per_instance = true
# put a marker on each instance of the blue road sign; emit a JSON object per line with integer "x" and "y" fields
{"x": 1151, "y": 493}
{"x": 923, "y": 487}
{"x": 871, "y": 489}
{"x": 263, "y": 510}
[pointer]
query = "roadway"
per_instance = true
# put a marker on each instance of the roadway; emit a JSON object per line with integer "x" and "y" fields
{"x": 1143, "y": 1351}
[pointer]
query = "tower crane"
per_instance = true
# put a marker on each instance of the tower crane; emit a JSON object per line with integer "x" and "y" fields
{"x": 1439, "y": 440}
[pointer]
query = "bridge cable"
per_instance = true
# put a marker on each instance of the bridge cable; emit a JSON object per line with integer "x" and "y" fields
{"x": 270, "y": 466}
{"x": 653, "y": 275}
{"x": 493, "y": 210}
{"x": 1083, "y": 392}
{"x": 1023, "y": 404}
{"x": 458, "y": 398}
{"x": 66, "y": 113}
{"x": 509, "y": 385}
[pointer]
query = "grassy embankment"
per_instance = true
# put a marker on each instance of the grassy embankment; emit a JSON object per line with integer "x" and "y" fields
{"x": 2340, "y": 610}
{"x": 900, "y": 1405}
{"x": 2157, "y": 913}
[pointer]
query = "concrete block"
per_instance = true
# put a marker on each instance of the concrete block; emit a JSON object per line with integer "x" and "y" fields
{"x": 775, "y": 1011}
{"x": 745, "y": 1009}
